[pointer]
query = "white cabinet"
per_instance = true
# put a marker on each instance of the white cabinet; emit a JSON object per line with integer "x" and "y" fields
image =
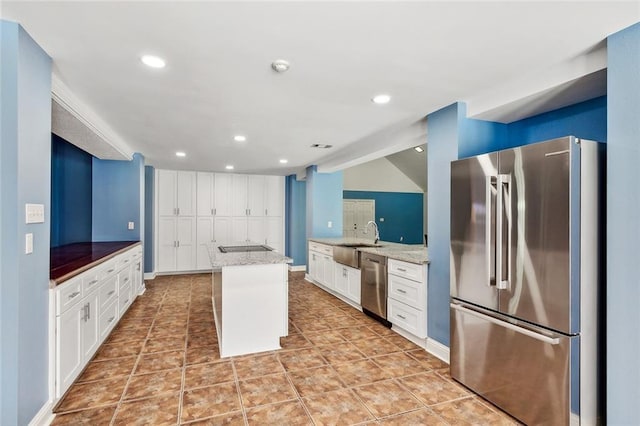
{"x": 274, "y": 190}
{"x": 321, "y": 264}
{"x": 347, "y": 282}
{"x": 407, "y": 301}
{"x": 205, "y": 194}
{"x": 86, "y": 308}
{"x": 176, "y": 225}
{"x": 274, "y": 228}
{"x": 239, "y": 195}
{"x": 328, "y": 265}
{"x": 204, "y": 237}
{"x": 255, "y": 196}
{"x": 223, "y": 194}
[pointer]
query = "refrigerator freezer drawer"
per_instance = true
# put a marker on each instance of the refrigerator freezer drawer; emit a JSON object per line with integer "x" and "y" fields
{"x": 525, "y": 372}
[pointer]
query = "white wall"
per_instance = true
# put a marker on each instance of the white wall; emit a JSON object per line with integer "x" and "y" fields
{"x": 378, "y": 175}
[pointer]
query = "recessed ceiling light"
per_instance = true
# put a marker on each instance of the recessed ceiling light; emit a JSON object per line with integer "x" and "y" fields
{"x": 381, "y": 99}
{"x": 239, "y": 138}
{"x": 153, "y": 61}
{"x": 280, "y": 65}
{"x": 181, "y": 154}
{"x": 321, "y": 145}
{"x": 419, "y": 149}
{"x": 284, "y": 161}
{"x": 229, "y": 167}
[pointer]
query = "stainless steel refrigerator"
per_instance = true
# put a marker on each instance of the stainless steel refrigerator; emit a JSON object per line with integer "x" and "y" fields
{"x": 526, "y": 273}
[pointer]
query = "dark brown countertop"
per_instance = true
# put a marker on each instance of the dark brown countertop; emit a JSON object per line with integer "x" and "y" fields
{"x": 72, "y": 259}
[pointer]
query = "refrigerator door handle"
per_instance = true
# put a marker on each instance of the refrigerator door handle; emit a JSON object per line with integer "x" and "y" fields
{"x": 505, "y": 324}
{"x": 503, "y": 251}
{"x": 491, "y": 188}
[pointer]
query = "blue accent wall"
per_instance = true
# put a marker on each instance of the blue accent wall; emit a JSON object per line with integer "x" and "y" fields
{"x": 324, "y": 203}
{"x": 402, "y": 213}
{"x": 25, "y": 173}
{"x": 149, "y": 183}
{"x": 623, "y": 227}
{"x": 296, "y": 214}
{"x": 70, "y": 193}
{"x": 118, "y": 198}
{"x": 587, "y": 120}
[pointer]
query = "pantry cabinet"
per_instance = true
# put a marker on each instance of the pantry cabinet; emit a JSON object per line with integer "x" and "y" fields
{"x": 228, "y": 209}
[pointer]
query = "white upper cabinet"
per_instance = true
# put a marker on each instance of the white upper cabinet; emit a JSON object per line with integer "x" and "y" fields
{"x": 222, "y": 194}
{"x": 176, "y": 193}
{"x": 186, "y": 194}
{"x": 239, "y": 195}
{"x": 205, "y": 194}
{"x": 255, "y": 196}
{"x": 274, "y": 191}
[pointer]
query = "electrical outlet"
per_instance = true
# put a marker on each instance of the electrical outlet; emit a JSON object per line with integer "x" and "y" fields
{"x": 28, "y": 243}
{"x": 131, "y": 225}
{"x": 329, "y": 224}
{"x": 382, "y": 219}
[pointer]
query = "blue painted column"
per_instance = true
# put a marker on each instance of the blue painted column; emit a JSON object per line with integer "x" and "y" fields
{"x": 149, "y": 184}
{"x": 442, "y": 148}
{"x": 324, "y": 203}
{"x": 295, "y": 216}
{"x": 25, "y": 177}
{"x": 623, "y": 227}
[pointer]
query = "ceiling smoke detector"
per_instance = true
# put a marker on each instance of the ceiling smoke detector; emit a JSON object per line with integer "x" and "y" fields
{"x": 321, "y": 145}
{"x": 280, "y": 65}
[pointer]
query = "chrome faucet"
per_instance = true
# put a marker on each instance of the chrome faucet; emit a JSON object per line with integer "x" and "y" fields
{"x": 375, "y": 226}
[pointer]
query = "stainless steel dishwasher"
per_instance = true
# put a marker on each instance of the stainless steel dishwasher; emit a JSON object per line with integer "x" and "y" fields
{"x": 373, "y": 289}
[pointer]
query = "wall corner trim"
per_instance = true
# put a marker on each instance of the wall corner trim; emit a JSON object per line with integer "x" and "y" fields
{"x": 149, "y": 276}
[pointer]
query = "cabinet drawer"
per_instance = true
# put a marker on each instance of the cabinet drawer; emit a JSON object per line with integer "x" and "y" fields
{"x": 407, "y": 291}
{"x": 108, "y": 319}
{"x": 90, "y": 280}
{"x": 123, "y": 260}
{"x": 326, "y": 250}
{"x": 68, "y": 294}
{"x": 411, "y": 271}
{"x": 314, "y": 246}
{"x": 108, "y": 269}
{"x": 124, "y": 277}
{"x": 407, "y": 318}
{"x": 124, "y": 298}
{"x": 108, "y": 291}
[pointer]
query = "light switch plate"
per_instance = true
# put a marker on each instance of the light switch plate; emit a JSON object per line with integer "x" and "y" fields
{"x": 329, "y": 224}
{"x": 28, "y": 243}
{"x": 130, "y": 226}
{"x": 34, "y": 213}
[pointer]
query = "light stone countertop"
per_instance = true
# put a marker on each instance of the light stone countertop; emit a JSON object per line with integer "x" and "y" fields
{"x": 412, "y": 253}
{"x": 220, "y": 260}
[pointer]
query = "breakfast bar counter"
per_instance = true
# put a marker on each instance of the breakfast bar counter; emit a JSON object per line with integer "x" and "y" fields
{"x": 250, "y": 299}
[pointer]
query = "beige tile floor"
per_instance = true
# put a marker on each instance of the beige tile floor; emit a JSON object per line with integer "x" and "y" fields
{"x": 337, "y": 366}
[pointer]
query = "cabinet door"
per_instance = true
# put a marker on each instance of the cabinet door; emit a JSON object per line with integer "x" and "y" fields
{"x": 186, "y": 193}
{"x": 239, "y": 195}
{"x": 167, "y": 239}
{"x": 166, "y": 192}
{"x": 255, "y": 195}
{"x": 222, "y": 195}
{"x": 222, "y": 230}
{"x": 353, "y": 287}
{"x": 328, "y": 266}
{"x": 273, "y": 226}
{"x": 314, "y": 262}
{"x": 204, "y": 238}
{"x": 90, "y": 327}
{"x": 239, "y": 230}
{"x": 185, "y": 253}
{"x": 341, "y": 280}
{"x": 256, "y": 232}
{"x": 274, "y": 190}
{"x": 68, "y": 347}
{"x": 204, "y": 194}
{"x": 137, "y": 275}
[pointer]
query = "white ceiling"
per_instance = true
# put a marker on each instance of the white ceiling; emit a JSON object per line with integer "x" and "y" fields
{"x": 218, "y": 81}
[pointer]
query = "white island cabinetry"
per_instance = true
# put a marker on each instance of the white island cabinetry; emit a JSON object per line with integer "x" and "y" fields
{"x": 407, "y": 296}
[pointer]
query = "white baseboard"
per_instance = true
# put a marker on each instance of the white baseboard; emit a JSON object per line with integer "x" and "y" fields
{"x": 574, "y": 419}
{"x": 45, "y": 416}
{"x": 149, "y": 276}
{"x": 297, "y": 268}
{"x": 141, "y": 292}
{"x": 415, "y": 339}
{"x": 438, "y": 350}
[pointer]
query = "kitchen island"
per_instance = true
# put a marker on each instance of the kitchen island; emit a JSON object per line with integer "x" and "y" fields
{"x": 250, "y": 300}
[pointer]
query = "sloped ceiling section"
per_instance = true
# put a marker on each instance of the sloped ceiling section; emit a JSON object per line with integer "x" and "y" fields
{"x": 413, "y": 164}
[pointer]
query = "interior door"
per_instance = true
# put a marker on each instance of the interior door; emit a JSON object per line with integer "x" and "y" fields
{"x": 537, "y": 203}
{"x": 349, "y": 224}
{"x": 473, "y": 201}
{"x": 355, "y": 216}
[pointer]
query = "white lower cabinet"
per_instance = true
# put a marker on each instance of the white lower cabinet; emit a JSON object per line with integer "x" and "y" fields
{"x": 347, "y": 282}
{"x": 86, "y": 308}
{"x": 407, "y": 296}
